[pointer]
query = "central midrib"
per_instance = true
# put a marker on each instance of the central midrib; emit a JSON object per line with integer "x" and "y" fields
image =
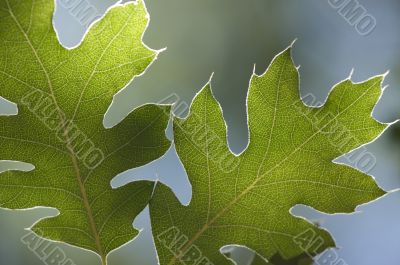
{"x": 70, "y": 149}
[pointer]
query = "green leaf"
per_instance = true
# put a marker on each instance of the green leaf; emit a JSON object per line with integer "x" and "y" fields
{"x": 303, "y": 259}
{"x": 240, "y": 258}
{"x": 246, "y": 199}
{"x": 62, "y": 97}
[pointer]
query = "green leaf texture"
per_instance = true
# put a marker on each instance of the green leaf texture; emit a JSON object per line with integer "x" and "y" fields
{"x": 303, "y": 259}
{"x": 246, "y": 199}
{"x": 62, "y": 97}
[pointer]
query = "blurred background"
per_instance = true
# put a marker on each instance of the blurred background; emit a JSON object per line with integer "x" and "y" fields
{"x": 231, "y": 38}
